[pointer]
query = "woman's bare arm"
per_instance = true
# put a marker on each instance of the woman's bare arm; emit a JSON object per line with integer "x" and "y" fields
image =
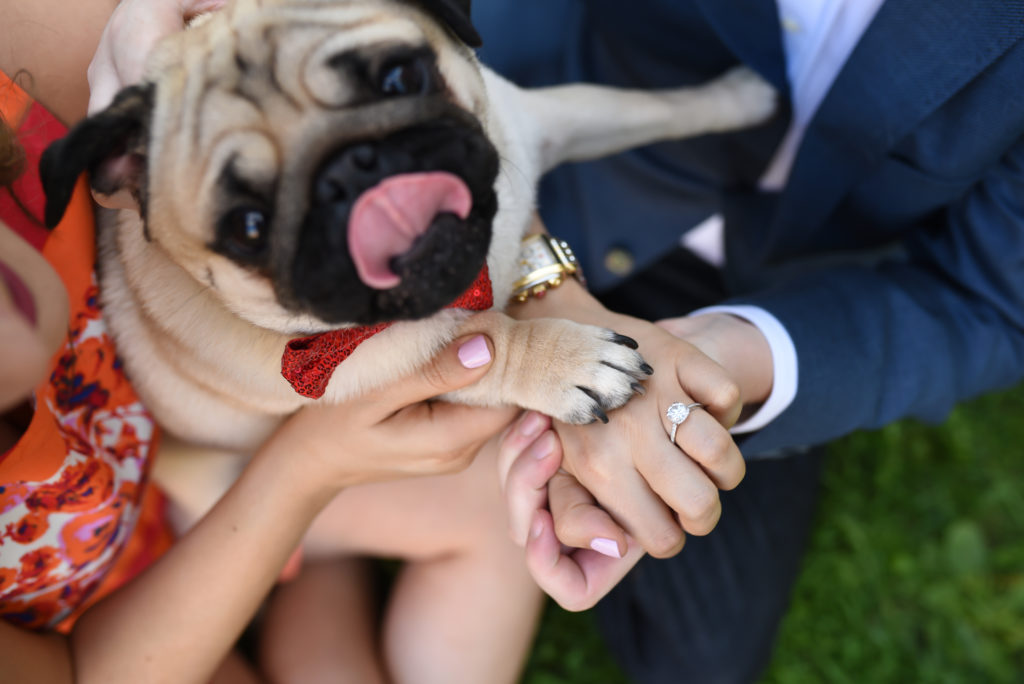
{"x": 176, "y": 622}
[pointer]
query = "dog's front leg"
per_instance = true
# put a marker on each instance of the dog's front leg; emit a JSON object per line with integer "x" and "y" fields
{"x": 571, "y": 371}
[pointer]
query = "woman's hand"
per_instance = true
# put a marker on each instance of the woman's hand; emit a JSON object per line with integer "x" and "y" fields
{"x": 134, "y": 28}
{"x": 545, "y": 503}
{"x": 394, "y": 431}
{"x": 626, "y": 481}
{"x": 655, "y": 489}
{"x": 624, "y": 487}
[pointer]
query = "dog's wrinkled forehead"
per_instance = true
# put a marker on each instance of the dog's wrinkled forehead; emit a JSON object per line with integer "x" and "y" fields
{"x": 269, "y": 84}
{"x": 306, "y": 51}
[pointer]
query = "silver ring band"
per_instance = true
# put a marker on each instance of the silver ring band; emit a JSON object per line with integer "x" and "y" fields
{"x": 677, "y": 413}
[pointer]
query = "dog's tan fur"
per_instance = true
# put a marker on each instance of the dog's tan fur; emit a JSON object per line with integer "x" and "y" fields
{"x": 202, "y": 337}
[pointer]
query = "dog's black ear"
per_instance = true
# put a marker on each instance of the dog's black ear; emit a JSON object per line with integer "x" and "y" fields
{"x": 110, "y": 145}
{"x": 455, "y": 14}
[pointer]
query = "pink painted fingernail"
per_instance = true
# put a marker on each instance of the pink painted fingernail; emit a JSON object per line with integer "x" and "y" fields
{"x": 606, "y": 547}
{"x": 532, "y": 425}
{"x": 536, "y": 527}
{"x": 543, "y": 447}
{"x": 474, "y": 353}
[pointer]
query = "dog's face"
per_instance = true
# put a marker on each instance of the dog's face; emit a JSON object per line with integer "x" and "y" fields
{"x": 315, "y": 163}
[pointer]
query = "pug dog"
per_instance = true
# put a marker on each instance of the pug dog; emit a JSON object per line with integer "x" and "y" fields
{"x": 307, "y": 186}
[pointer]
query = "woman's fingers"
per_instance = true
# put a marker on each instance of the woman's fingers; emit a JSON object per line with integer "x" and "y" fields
{"x": 529, "y": 455}
{"x": 452, "y": 433}
{"x": 580, "y": 522}
{"x": 705, "y": 441}
{"x": 404, "y": 406}
{"x": 134, "y": 28}
{"x": 527, "y": 460}
{"x": 699, "y": 376}
{"x": 606, "y": 466}
{"x": 687, "y": 491}
{"x": 461, "y": 363}
{"x": 576, "y": 578}
{"x": 519, "y": 436}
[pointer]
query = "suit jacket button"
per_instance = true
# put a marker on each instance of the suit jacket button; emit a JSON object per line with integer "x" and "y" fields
{"x": 619, "y": 261}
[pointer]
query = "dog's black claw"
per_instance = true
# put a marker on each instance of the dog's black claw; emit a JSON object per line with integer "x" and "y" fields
{"x": 646, "y": 369}
{"x": 638, "y": 388}
{"x": 625, "y": 341}
{"x": 599, "y": 414}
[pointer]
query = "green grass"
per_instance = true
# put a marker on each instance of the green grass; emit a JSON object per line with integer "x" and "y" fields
{"x": 915, "y": 571}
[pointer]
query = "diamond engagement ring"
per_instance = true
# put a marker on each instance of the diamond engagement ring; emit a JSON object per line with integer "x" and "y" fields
{"x": 677, "y": 413}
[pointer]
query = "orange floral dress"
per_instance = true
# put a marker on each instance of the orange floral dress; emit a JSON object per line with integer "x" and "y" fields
{"x": 77, "y": 515}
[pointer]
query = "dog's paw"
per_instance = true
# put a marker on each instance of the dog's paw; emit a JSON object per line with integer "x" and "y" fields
{"x": 595, "y": 370}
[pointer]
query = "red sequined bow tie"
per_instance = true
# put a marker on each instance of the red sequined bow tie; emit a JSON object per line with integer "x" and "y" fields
{"x": 309, "y": 362}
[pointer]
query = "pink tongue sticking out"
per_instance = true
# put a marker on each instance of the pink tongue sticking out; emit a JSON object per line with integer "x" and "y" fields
{"x": 387, "y": 219}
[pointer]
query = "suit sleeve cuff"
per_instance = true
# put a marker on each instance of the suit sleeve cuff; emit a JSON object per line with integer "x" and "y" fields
{"x": 784, "y": 378}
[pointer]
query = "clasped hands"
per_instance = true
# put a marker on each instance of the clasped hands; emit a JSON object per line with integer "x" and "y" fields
{"x": 588, "y": 501}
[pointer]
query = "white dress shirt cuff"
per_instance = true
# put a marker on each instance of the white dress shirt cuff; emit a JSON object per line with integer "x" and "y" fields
{"x": 784, "y": 380}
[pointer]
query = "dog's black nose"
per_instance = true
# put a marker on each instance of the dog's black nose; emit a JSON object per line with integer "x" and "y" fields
{"x": 426, "y": 164}
{"x": 347, "y": 174}
{"x": 364, "y": 156}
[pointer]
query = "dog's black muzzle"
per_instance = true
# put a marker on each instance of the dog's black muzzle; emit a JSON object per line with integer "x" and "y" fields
{"x": 442, "y": 262}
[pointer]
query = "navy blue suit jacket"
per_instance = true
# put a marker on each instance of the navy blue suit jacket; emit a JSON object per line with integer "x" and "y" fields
{"x": 894, "y": 256}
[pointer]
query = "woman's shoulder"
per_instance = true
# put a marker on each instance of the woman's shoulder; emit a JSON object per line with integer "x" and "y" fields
{"x": 72, "y": 487}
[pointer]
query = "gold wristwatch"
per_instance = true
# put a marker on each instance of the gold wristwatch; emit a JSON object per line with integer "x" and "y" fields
{"x": 544, "y": 263}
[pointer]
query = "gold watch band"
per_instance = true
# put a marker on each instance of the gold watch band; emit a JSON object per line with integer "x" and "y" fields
{"x": 544, "y": 263}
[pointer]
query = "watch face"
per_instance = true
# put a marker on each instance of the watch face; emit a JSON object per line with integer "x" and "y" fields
{"x": 534, "y": 255}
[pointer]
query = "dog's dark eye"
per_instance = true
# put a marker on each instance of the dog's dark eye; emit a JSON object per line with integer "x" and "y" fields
{"x": 407, "y": 76}
{"x": 244, "y": 232}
